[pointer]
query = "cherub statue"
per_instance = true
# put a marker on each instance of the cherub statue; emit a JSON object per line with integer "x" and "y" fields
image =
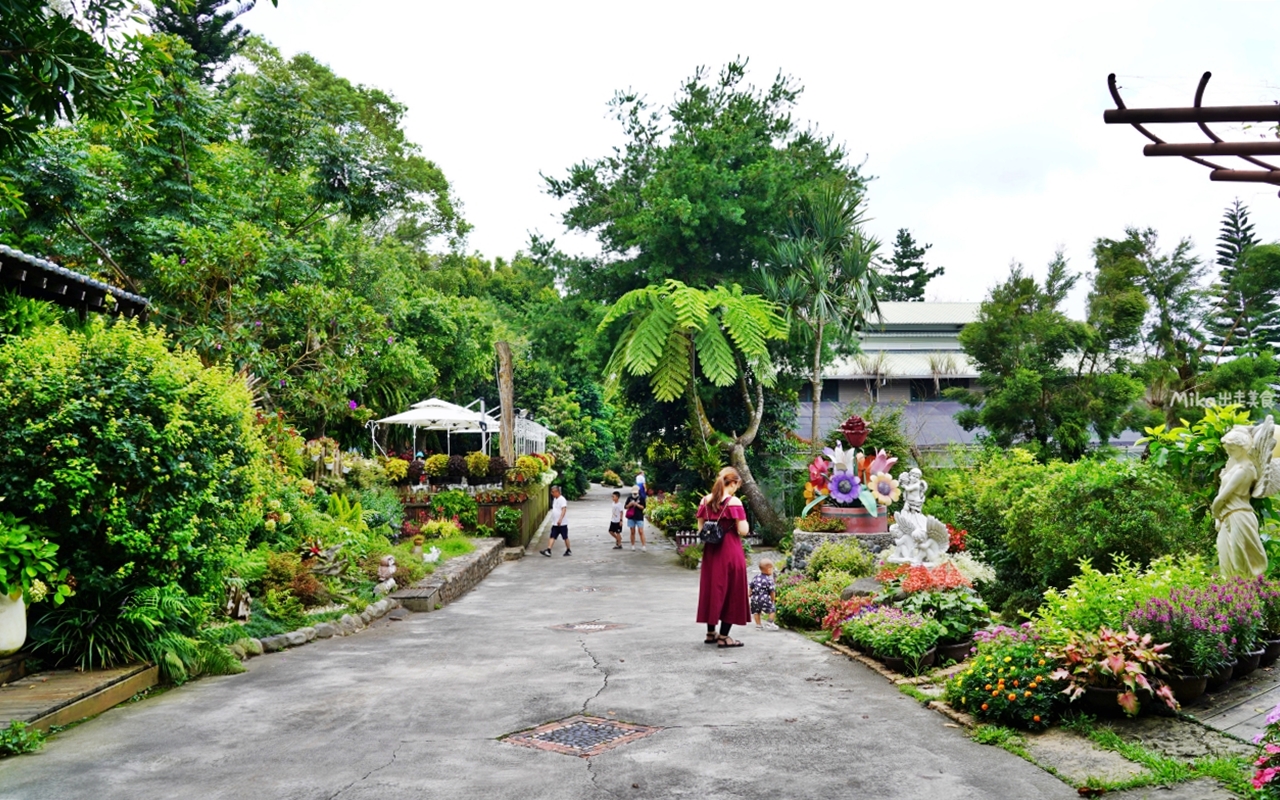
{"x": 921, "y": 539}
{"x": 1251, "y": 471}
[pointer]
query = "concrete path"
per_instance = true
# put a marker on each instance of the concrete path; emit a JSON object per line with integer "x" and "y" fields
{"x": 415, "y": 709}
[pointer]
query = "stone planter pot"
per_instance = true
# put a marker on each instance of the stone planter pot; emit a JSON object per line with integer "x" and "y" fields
{"x": 1247, "y": 663}
{"x": 908, "y": 666}
{"x": 1102, "y": 701}
{"x": 1272, "y": 653}
{"x": 1187, "y": 687}
{"x": 1220, "y": 678}
{"x": 955, "y": 652}
{"x": 13, "y": 624}
{"x": 858, "y": 519}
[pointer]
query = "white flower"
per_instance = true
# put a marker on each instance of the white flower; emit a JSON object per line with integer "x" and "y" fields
{"x": 38, "y": 591}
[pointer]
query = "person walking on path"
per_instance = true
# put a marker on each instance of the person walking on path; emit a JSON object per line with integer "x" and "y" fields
{"x": 616, "y": 511}
{"x": 635, "y": 517}
{"x": 642, "y": 486}
{"x": 722, "y": 590}
{"x": 559, "y": 528}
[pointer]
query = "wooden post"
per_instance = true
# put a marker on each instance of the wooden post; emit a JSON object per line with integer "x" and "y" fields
{"x": 506, "y": 397}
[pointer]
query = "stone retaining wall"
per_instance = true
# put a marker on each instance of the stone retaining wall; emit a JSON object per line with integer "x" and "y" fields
{"x": 453, "y": 578}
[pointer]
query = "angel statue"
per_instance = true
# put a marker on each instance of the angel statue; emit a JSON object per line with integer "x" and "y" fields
{"x": 1251, "y": 471}
{"x": 920, "y": 539}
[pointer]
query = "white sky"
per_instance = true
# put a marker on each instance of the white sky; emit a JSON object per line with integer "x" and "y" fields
{"x": 982, "y": 121}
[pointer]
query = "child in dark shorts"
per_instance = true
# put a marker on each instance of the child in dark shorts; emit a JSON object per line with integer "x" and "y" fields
{"x": 763, "y": 596}
{"x": 615, "y": 520}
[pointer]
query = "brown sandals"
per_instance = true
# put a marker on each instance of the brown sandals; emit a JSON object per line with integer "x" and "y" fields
{"x": 725, "y": 641}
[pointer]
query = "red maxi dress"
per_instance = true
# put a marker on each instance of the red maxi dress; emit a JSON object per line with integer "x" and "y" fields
{"x": 722, "y": 594}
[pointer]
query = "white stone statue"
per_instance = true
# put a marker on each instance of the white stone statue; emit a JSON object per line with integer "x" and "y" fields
{"x": 1251, "y": 471}
{"x": 920, "y": 539}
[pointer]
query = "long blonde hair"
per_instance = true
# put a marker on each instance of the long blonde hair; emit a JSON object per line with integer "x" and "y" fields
{"x": 726, "y": 476}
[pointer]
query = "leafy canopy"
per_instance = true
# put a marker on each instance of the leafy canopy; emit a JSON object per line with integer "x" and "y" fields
{"x": 672, "y": 322}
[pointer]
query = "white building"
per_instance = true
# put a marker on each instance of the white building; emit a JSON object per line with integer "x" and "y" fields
{"x": 909, "y": 357}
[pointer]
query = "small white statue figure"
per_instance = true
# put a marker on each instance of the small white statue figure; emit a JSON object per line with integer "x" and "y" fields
{"x": 921, "y": 539}
{"x": 1251, "y": 471}
{"x": 432, "y": 555}
{"x": 386, "y": 567}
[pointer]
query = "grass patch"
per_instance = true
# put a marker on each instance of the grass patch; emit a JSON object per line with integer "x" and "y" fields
{"x": 912, "y": 691}
{"x": 453, "y": 546}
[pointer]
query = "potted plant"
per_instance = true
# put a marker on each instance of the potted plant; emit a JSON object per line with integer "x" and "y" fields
{"x": 477, "y": 468}
{"x": 437, "y": 468}
{"x": 506, "y": 523}
{"x": 498, "y": 467}
{"x": 1109, "y": 669}
{"x": 959, "y": 611}
{"x": 457, "y": 469}
{"x": 1197, "y": 643}
{"x": 902, "y": 640}
{"x": 28, "y": 574}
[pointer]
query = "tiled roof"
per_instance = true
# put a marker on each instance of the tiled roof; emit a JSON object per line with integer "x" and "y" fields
{"x": 925, "y": 314}
{"x": 45, "y": 280}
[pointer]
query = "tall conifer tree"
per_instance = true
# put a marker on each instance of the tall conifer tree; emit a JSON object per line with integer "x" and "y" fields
{"x": 1223, "y": 328}
{"x": 908, "y": 277}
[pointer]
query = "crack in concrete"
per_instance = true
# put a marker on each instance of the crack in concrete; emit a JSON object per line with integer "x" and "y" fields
{"x": 595, "y": 664}
{"x": 394, "y": 753}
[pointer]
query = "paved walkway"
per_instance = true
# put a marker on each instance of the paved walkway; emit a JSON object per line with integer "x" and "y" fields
{"x": 415, "y": 709}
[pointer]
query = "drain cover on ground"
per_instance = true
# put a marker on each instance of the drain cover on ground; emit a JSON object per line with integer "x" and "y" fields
{"x": 594, "y": 626}
{"x": 581, "y": 735}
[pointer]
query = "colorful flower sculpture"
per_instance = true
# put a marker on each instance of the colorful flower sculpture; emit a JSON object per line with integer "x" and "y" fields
{"x": 818, "y": 474}
{"x": 885, "y": 487}
{"x": 845, "y": 487}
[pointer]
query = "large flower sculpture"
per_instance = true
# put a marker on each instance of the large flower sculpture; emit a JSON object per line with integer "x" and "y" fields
{"x": 818, "y": 474}
{"x": 884, "y": 487}
{"x": 845, "y": 487}
{"x": 842, "y": 460}
{"x": 882, "y": 463}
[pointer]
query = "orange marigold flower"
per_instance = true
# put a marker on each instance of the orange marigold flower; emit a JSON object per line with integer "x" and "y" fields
{"x": 1026, "y": 694}
{"x": 1012, "y": 697}
{"x": 1036, "y": 718}
{"x": 984, "y": 708}
{"x": 995, "y": 692}
{"x": 988, "y": 687}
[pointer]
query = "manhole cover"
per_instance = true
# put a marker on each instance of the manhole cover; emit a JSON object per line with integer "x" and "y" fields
{"x": 581, "y": 735}
{"x": 594, "y": 626}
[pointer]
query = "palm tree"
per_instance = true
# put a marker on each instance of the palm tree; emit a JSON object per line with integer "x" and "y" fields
{"x": 676, "y": 330}
{"x": 822, "y": 273}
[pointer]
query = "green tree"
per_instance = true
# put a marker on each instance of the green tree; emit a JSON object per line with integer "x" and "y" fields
{"x": 822, "y": 273}
{"x": 908, "y": 277}
{"x": 674, "y": 331}
{"x": 1046, "y": 379}
{"x": 699, "y": 189}
{"x": 207, "y": 26}
{"x": 1235, "y": 238}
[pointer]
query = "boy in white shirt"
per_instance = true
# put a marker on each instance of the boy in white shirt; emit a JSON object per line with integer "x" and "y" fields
{"x": 615, "y": 520}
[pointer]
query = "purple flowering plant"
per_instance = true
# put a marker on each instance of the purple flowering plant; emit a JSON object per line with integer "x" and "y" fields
{"x": 1193, "y": 627}
{"x": 894, "y": 633}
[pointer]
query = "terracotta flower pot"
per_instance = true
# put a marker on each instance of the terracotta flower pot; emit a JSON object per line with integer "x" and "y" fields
{"x": 1220, "y": 678}
{"x": 1247, "y": 663}
{"x": 1187, "y": 687}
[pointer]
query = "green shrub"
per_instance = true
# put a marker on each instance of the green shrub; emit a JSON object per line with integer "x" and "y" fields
{"x": 477, "y": 465}
{"x": 506, "y": 523}
{"x": 802, "y": 604}
{"x": 409, "y": 568}
{"x": 814, "y": 522}
{"x": 146, "y": 467}
{"x": 1095, "y": 599}
{"x": 611, "y": 478}
{"x": 690, "y": 557}
{"x": 383, "y": 501}
{"x": 1009, "y": 682}
{"x": 440, "y": 529}
{"x": 846, "y": 556}
{"x": 20, "y": 737}
{"x": 436, "y": 466}
{"x": 1102, "y": 511}
{"x": 455, "y": 503}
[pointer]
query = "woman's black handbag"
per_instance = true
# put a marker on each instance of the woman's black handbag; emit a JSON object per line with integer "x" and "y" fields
{"x": 710, "y": 533}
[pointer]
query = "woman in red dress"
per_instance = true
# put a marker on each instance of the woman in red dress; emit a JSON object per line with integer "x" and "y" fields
{"x": 722, "y": 594}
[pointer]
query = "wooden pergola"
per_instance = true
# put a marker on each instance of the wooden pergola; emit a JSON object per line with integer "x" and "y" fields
{"x": 44, "y": 280}
{"x": 1201, "y": 115}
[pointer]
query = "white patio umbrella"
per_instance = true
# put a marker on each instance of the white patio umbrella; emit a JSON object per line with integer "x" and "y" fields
{"x": 436, "y": 415}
